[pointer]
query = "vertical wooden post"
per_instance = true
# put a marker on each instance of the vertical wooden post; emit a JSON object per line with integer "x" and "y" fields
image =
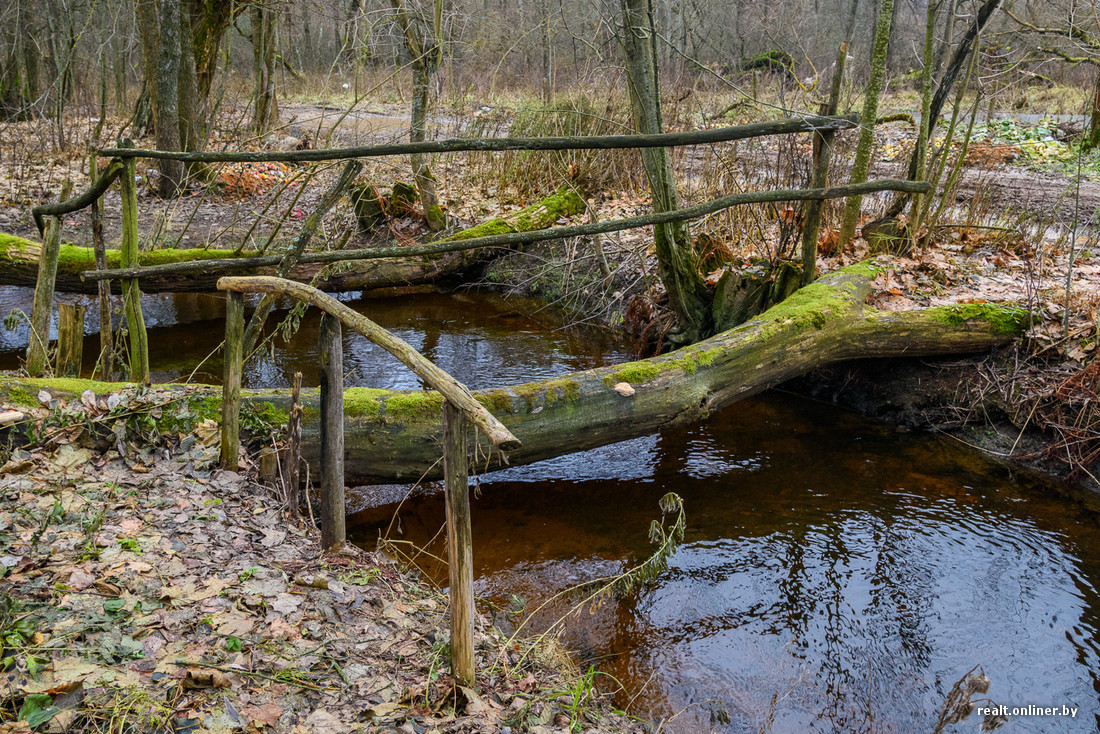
{"x": 231, "y": 381}
{"x": 823, "y": 148}
{"x": 70, "y": 339}
{"x": 42, "y": 309}
{"x": 460, "y": 549}
{"x": 332, "y": 433}
{"x": 131, "y": 293}
{"x": 106, "y": 338}
{"x": 294, "y": 448}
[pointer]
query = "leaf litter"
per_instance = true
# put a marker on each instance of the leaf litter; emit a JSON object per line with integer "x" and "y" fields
{"x": 146, "y": 590}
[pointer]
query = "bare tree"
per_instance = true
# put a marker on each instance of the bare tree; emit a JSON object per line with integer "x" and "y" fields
{"x": 426, "y": 52}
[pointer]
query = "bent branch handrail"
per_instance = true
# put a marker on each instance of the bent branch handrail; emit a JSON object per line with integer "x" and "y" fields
{"x": 454, "y": 391}
{"x": 516, "y": 238}
{"x": 96, "y": 190}
{"x": 805, "y": 124}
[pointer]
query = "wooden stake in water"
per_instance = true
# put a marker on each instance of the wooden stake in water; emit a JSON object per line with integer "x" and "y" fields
{"x": 106, "y": 337}
{"x": 70, "y": 339}
{"x": 128, "y": 257}
{"x": 332, "y": 433}
{"x": 231, "y": 381}
{"x": 460, "y": 548}
{"x": 294, "y": 448}
{"x": 42, "y": 310}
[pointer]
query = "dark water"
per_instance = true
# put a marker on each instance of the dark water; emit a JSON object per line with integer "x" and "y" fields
{"x": 835, "y": 576}
{"x": 483, "y": 338}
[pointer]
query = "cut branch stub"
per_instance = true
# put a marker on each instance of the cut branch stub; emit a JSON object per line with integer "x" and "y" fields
{"x": 451, "y": 389}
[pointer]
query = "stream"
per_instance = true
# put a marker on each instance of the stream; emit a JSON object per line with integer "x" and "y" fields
{"x": 836, "y": 575}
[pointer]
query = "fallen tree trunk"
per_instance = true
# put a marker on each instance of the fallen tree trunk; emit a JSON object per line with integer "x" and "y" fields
{"x": 19, "y": 259}
{"x": 397, "y": 436}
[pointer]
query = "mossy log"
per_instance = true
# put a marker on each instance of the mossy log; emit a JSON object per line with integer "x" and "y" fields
{"x": 19, "y": 259}
{"x": 397, "y": 436}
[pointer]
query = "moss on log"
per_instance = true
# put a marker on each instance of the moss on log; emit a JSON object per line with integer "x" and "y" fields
{"x": 397, "y": 436}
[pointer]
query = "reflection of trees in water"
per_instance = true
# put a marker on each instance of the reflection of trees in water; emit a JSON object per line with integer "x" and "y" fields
{"x": 842, "y": 589}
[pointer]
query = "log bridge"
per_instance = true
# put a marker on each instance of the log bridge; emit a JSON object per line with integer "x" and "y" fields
{"x": 362, "y": 434}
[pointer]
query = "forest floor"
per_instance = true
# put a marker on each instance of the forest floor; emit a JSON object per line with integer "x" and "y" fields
{"x": 145, "y": 590}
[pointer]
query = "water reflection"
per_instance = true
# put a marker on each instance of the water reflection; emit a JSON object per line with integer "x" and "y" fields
{"x": 487, "y": 339}
{"x": 836, "y": 576}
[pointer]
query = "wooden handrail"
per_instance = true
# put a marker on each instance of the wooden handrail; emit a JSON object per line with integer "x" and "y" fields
{"x": 451, "y": 389}
{"x": 517, "y": 238}
{"x": 803, "y": 124}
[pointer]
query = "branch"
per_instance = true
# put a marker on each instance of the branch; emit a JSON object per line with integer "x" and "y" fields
{"x": 516, "y": 238}
{"x": 805, "y": 124}
{"x": 454, "y": 391}
{"x": 1067, "y": 58}
{"x": 1071, "y": 32}
{"x": 84, "y": 200}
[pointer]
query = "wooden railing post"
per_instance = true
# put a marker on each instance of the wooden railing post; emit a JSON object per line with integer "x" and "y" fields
{"x": 106, "y": 337}
{"x": 70, "y": 339}
{"x": 231, "y": 381}
{"x": 332, "y": 433}
{"x": 460, "y": 548}
{"x": 128, "y": 258}
{"x": 294, "y": 448}
{"x": 42, "y": 310}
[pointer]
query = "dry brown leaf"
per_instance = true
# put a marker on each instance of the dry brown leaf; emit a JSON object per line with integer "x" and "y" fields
{"x": 205, "y": 678}
{"x": 267, "y": 714}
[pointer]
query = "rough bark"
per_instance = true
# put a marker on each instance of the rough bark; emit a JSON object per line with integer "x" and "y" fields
{"x": 393, "y": 435}
{"x": 424, "y": 60}
{"x": 862, "y": 162}
{"x": 265, "y": 112}
{"x": 166, "y": 107}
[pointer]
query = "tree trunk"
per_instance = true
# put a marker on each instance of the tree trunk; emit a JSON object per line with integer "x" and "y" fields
{"x": 424, "y": 61}
{"x": 192, "y": 117}
{"x": 265, "y": 110}
{"x": 870, "y": 114}
{"x": 166, "y": 106}
{"x": 676, "y": 262}
{"x": 208, "y": 21}
{"x": 1094, "y": 117}
{"x": 397, "y": 436}
{"x": 145, "y": 111}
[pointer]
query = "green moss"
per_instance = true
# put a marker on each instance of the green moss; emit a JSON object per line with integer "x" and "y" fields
{"x": 258, "y": 416}
{"x": 73, "y": 386}
{"x": 564, "y": 203}
{"x": 1003, "y": 319}
{"x": 413, "y": 405}
{"x": 547, "y": 392}
{"x": 866, "y": 268}
{"x": 20, "y": 396}
{"x": 634, "y": 373}
{"x": 485, "y": 229}
{"x": 359, "y": 401}
{"x": 74, "y": 259}
{"x": 496, "y": 401}
{"x": 809, "y": 306}
{"x": 691, "y": 360}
